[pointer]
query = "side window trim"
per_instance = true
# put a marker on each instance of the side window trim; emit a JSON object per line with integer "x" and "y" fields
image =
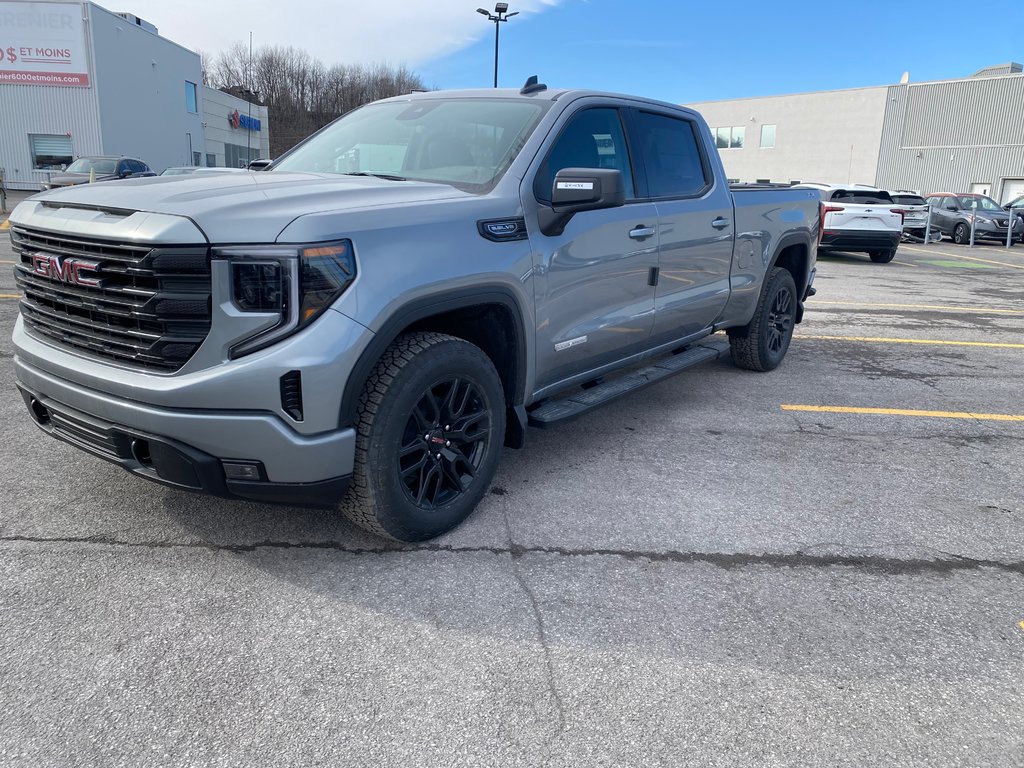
{"x": 631, "y": 155}
{"x": 705, "y": 163}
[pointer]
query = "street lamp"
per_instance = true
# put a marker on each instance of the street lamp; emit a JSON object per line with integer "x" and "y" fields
{"x": 500, "y": 14}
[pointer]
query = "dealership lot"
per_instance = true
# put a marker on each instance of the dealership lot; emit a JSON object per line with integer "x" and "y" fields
{"x": 819, "y": 566}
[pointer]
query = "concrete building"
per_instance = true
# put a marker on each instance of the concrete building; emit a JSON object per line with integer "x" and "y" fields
{"x": 85, "y": 81}
{"x": 956, "y": 135}
{"x": 236, "y": 130}
{"x": 77, "y": 79}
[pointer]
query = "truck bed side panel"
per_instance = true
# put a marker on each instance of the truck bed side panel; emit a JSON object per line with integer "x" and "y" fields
{"x": 768, "y": 221}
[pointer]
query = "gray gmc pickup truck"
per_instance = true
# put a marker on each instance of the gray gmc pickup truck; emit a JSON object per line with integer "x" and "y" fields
{"x": 368, "y": 322}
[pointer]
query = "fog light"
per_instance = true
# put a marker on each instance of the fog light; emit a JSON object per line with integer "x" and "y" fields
{"x": 236, "y": 470}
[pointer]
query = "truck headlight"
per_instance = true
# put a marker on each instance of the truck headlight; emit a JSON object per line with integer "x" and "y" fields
{"x": 289, "y": 285}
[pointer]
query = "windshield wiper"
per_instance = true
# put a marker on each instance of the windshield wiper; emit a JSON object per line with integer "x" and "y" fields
{"x": 388, "y": 176}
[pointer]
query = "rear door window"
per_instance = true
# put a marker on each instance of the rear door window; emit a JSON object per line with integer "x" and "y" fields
{"x": 673, "y": 162}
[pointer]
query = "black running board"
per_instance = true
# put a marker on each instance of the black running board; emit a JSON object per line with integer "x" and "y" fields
{"x": 552, "y": 413}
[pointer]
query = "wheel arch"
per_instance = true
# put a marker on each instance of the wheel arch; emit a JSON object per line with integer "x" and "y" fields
{"x": 488, "y": 316}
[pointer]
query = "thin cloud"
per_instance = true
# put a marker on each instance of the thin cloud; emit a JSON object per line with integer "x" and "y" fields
{"x": 335, "y": 31}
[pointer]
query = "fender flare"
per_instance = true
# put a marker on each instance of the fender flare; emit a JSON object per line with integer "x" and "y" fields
{"x": 790, "y": 239}
{"x": 421, "y": 309}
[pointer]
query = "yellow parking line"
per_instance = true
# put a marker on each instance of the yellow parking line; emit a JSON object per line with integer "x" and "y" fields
{"x": 958, "y": 255}
{"x": 886, "y": 340}
{"x": 979, "y": 310}
{"x": 903, "y": 412}
{"x": 5, "y": 225}
{"x": 905, "y": 263}
{"x": 10, "y": 295}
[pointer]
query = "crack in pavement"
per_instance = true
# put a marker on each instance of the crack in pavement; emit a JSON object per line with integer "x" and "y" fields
{"x": 949, "y": 563}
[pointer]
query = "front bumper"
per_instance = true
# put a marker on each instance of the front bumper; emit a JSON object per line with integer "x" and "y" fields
{"x": 186, "y": 448}
{"x": 859, "y": 240}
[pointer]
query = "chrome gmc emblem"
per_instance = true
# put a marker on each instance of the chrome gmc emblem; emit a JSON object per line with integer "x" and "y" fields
{"x": 66, "y": 270}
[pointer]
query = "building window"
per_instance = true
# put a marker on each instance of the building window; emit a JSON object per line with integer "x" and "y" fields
{"x": 729, "y": 138}
{"x": 197, "y": 158}
{"x": 191, "y": 101}
{"x": 211, "y": 160}
{"x": 50, "y": 153}
{"x": 767, "y": 136}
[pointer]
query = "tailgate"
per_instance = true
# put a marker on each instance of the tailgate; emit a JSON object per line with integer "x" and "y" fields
{"x": 859, "y": 216}
{"x": 915, "y": 215}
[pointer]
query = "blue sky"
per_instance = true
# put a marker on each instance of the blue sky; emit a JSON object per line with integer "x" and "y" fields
{"x": 690, "y": 51}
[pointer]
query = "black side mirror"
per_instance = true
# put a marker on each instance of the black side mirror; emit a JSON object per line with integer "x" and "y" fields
{"x": 580, "y": 189}
{"x": 124, "y": 174}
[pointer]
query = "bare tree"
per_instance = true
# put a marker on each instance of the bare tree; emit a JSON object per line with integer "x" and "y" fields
{"x": 300, "y": 92}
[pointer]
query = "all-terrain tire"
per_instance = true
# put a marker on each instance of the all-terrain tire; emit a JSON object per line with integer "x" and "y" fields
{"x": 400, "y": 424}
{"x": 761, "y": 345}
{"x": 882, "y": 257}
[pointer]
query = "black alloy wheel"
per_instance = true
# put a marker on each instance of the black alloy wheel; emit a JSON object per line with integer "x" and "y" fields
{"x": 445, "y": 440}
{"x": 429, "y": 432}
{"x": 781, "y": 319}
{"x": 762, "y": 344}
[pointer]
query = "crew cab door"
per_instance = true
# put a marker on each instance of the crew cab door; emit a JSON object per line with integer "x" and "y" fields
{"x": 593, "y": 283}
{"x": 695, "y": 220}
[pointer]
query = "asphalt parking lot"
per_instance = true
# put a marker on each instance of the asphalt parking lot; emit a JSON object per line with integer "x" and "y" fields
{"x": 823, "y": 565}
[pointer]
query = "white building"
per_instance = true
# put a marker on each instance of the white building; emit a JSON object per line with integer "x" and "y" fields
{"x": 961, "y": 135}
{"x": 77, "y": 79}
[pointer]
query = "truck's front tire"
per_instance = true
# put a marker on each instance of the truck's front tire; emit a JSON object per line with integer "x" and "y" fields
{"x": 883, "y": 257}
{"x": 761, "y": 345}
{"x": 429, "y": 433}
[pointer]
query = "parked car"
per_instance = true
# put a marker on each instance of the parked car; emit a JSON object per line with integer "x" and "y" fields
{"x": 860, "y": 219}
{"x": 495, "y": 259}
{"x": 954, "y": 213}
{"x": 1017, "y": 206}
{"x": 105, "y": 168}
{"x": 189, "y": 170}
{"x": 915, "y": 214}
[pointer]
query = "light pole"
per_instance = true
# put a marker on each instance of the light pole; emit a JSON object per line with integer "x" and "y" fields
{"x": 500, "y": 14}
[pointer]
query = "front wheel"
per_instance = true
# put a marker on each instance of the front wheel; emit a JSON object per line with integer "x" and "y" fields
{"x": 960, "y": 234}
{"x": 883, "y": 257}
{"x": 431, "y": 423}
{"x": 761, "y": 345}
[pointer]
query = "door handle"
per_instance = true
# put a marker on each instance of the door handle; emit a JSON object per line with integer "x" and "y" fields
{"x": 720, "y": 223}
{"x": 641, "y": 232}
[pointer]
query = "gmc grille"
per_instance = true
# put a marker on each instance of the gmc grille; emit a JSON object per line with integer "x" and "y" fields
{"x": 141, "y": 306}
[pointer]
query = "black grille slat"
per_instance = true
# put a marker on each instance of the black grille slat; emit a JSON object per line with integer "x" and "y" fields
{"x": 151, "y": 310}
{"x": 85, "y": 433}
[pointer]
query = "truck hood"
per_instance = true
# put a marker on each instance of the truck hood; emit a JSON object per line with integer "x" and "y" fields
{"x": 248, "y": 207}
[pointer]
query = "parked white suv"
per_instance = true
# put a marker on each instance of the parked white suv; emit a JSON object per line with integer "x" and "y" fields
{"x": 859, "y": 218}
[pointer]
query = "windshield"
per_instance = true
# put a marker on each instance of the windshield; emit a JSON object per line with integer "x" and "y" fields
{"x": 98, "y": 164}
{"x": 979, "y": 202}
{"x": 468, "y": 143}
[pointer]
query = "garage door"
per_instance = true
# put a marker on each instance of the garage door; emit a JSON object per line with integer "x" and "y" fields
{"x": 1012, "y": 189}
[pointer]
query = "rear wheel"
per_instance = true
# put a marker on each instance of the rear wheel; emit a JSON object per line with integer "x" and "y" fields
{"x": 761, "y": 345}
{"x": 960, "y": 234}
{"x": 431, "y": 423}
{"x": 882, "y": 257}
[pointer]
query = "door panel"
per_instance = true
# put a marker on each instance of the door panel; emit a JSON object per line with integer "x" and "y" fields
{"x": 594, "y": 301}
{"x": 594, "y": 298}
{"x": 696, "y": 226}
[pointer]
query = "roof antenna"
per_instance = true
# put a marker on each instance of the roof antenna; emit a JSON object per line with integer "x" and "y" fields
{"x": 532, "y": 86}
